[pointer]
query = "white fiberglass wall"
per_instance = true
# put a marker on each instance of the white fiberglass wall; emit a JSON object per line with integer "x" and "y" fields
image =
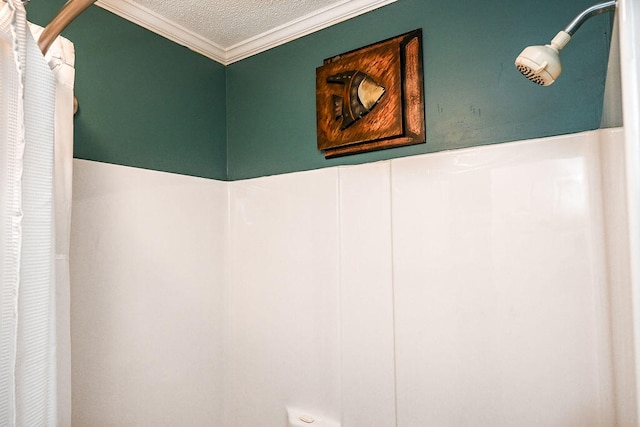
{"x": 458, "y": 288}
{"x": 629, "y": 24}
{"x": 147, "y": 270}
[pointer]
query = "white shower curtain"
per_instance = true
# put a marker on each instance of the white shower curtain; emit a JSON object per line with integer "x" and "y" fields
{"x": 36, "y": 112}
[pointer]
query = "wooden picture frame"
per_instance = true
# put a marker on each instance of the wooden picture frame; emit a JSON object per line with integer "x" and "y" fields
{"x": 371, "y": 98}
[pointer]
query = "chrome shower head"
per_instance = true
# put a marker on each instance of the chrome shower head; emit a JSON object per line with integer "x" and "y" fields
{"x": 541, "y": 64}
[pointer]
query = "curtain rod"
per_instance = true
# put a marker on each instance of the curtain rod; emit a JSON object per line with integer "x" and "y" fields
{"x": 65, "y": 16}
{"x": 69, "y": 12}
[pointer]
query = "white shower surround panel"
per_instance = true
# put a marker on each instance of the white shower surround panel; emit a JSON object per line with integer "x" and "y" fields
{"x": 462, "y": 287}
{"x": 500, "y": 286}
{"x": 147, "y": 273}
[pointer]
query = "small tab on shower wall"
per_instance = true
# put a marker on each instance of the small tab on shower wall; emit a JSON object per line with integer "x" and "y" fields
{"x": 299, "y": 418}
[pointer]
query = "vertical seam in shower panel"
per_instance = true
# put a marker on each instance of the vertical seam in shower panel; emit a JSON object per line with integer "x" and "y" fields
{"x": 340, "y": 283}
{"x": 227, "y": 283}
{"x": 393, "y": 295}
{"x": 601, "y": 289}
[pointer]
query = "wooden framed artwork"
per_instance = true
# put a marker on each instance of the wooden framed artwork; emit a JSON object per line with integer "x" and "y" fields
{"x": 371, "y": 98}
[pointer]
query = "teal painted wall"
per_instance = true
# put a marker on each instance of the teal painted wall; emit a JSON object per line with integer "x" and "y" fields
{"x": 144, "y": 100}
{"x": 474, "y": 95}
{"x": 150, "y": 103}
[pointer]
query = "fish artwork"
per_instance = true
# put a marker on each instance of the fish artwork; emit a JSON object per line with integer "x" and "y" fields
{"x": 362, "y": 93}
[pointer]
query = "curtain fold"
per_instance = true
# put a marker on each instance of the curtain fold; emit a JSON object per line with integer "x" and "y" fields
{"x": 34, "y": 326}
{"x": 61, "y": 59}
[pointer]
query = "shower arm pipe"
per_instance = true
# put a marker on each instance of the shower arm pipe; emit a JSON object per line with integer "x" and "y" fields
{"x": 65, "y": 16}
{"x": 596, "y": 9}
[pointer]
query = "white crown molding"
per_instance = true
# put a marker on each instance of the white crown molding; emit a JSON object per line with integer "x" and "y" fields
{"x": 158, "y": 24}
{"x": 303, "y": 26}
{"x": 290, "y": 31}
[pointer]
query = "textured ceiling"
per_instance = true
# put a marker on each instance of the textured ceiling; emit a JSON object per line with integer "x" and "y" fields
{"x": 230, "y": 30}
{"x": 231, "y": 22}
